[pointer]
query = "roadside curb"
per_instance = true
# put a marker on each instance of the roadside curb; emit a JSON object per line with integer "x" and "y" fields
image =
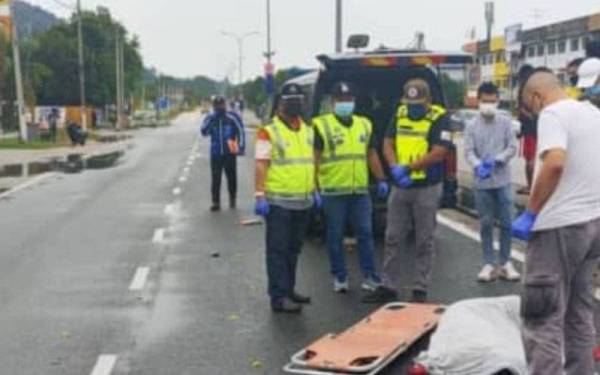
{"x": 27, "y": 184}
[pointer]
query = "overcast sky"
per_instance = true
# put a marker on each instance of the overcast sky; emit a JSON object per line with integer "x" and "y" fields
{"x": 181, "y": 37}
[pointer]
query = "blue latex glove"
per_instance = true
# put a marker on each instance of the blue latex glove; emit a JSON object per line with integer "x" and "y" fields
{"x": 489, "y": 163}
{"x": 521, "y": 228}
{"x": 405, "y": 182}
{"x": 482, "y": 171}
{"x": 261, "y": 208}
{"x": 318, "y": 200}
{"x": 383, "y": 189}
{"x": 398, "y": 172}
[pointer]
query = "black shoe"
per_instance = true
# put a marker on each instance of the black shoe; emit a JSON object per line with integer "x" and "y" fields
{"x": 419, "y": 296}
{"x": 286, "y": 306}
{"x": 299, "y": 298}
{"x": 215, "y": 207}
{"x": 232, "y": 204}
{"x": 381, "y": 295}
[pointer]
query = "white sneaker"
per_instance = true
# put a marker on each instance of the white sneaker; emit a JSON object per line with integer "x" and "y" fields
{"x": 370, "y": 284}
{"x": 340, "y": 286}
{"x": 487, "y": 274}
{"x": 509, "y": 273}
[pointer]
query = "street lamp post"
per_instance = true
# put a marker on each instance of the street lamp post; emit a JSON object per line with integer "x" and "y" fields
{"x": 240, "y": 42}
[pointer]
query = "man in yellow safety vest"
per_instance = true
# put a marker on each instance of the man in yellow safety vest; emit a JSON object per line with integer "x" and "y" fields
{"x": 345, "y": 148}
{"x": 285, "y": 192}
{"x": 415, "y": 147}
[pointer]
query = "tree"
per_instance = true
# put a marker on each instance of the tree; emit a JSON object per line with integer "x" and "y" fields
{"x": 54, "y": 68}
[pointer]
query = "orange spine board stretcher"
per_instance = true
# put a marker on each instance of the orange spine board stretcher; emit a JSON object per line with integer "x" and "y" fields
{"x": 371, "y": 344}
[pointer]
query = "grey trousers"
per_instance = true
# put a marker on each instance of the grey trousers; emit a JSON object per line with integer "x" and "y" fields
{"x": 557, "y": 300}
{"x": 408, "y": 210}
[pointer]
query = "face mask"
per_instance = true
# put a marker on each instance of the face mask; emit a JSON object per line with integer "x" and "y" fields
{"x": 344, "y": 109}
{"x": 574, "y": 80}
{"x": 488, "y": 109}
{"x": 416, "y": 112}
{"x": 293, "y": 108}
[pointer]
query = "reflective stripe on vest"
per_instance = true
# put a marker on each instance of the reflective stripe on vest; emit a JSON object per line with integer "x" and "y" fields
{"x": 291, "y": 172}
{"x": 344, "y": 167}
{"x": 411, "y": 137}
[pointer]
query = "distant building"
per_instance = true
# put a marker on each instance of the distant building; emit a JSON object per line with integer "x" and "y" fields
{"x": 552, "y": 46}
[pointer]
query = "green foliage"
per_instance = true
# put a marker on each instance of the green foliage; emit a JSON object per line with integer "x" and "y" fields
{"x": 55, "y": 56}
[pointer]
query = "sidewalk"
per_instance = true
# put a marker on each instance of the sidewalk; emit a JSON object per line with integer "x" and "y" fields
{"x": 22, "y": 167}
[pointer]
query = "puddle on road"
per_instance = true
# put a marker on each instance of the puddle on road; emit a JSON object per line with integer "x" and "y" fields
{"x": 74, "y": 163}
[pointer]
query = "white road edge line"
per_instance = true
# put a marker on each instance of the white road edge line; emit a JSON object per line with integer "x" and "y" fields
{"x": 474, "y": 235}
{"x": 26, "y": 184}
{"x": 139, "y": 279}
{"x": 105, "y": 364}
{"x": 159, "y": 235}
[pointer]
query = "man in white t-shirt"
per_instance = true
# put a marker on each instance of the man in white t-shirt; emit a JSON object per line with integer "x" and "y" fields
{"x": 562, "y": 227}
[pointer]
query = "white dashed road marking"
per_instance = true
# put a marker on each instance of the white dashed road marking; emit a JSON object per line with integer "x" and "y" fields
{"x": 177, "y": 191}
{"x": 104, "y": 365}
{"x": 139, "y": 279}
{"x": 159, "y": 235}
{"x": 470, "y": 233}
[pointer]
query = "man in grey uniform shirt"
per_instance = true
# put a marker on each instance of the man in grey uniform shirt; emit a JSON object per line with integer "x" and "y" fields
{"x": 490, "y": 145}
{"x": 562, "y": 227}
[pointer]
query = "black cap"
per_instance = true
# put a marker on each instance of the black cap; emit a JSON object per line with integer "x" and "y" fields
{"x": 219, "y": 100}
{"x": 342, "y": 89}
{"x": 291, "y": 91}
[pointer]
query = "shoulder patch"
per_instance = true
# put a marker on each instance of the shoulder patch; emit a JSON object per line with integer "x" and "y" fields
{"x": 446, "y": 135}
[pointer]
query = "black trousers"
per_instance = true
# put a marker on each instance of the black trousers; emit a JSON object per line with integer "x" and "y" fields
{"x": 218, "y": 164}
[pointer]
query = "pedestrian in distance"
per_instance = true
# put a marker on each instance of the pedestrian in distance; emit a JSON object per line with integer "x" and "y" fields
{"x": 562, "y": 227}
{"x": 490, "y": 145}
{"x": 228, "y": 142}
{"x": 345, "y": 152}
{"x": 528, "y": 136}
{"x": 416, "y": 144}
{"x": 285, "y": 194}
{"x": 53, "y": 119}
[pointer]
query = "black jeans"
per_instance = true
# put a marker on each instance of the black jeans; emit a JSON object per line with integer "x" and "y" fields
{"x": 285, "y": 233}
{"x": 218, "y": 163}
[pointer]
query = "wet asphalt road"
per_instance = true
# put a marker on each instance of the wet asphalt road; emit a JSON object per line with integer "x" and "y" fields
{"x": 70, "y": 247}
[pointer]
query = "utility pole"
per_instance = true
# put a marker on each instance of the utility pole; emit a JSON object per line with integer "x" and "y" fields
{"x": 18, "y": 76}
{"x": 81, "y": 66}
{"x": 269, "y": 54}
{"x": 122, "y": 75}
{"x": 118, "y": 80}
{"x": 338, "y": 26}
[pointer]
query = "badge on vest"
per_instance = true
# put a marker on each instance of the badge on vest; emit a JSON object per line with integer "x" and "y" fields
{"x": 362, "y": 138}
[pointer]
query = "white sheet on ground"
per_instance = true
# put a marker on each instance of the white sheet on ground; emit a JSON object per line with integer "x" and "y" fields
{"x": 477, "y": 337}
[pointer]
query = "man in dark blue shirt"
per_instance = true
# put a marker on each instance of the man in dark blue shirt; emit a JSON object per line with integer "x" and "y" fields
{"x": 228, "y": 141}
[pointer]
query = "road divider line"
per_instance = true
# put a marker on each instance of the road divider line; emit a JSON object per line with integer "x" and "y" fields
{"x": 474, "y": 235}
{"x": 183, "y": 179}
{"x": 27, "y": 184}
{"x": 139, "y": 279}
{"x": 104, "y": 365}
{"x": 169, "y": 209}
{"x": 177, "y": 191}
{"x": 159, "y": 235}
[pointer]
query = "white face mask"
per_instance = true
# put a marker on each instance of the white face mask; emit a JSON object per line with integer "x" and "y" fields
{"x": 488, "y": 109}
